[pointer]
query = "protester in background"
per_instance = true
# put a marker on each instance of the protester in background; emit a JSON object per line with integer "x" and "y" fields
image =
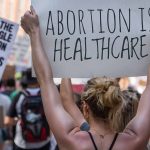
{"x": 19, "y": 85}
{"x": 124, "y": 83}
{"x": 77, "y": 99}
{"x": 4, "y": 132}
{"x": 30, "y": 133}
{"x": 22, "y": 88}
{"x": 5, "y": 102}
{"x": 9, "y": 87}
{"x": 66, "y": 128}
{"x": 128, "y": 110}
{"x": 9, "y": 90}
{"x": 2, "y": 86}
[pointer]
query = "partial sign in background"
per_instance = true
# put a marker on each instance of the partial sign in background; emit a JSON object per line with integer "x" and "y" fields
{"x": 8, "y": 31}
{"x": 20, "y": 55}
{"x": 86, "y": 38}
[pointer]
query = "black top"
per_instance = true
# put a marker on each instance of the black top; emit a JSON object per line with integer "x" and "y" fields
{"x": 111, "y": 146}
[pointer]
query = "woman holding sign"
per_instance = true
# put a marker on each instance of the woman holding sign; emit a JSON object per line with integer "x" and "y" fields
{"x": 65, "y": 127}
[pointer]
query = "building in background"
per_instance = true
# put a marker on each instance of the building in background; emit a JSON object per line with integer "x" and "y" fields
{"x": 20, "y": 55}
{"x": 13, "y": 10}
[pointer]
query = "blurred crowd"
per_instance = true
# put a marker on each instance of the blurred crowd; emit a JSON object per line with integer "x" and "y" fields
{"x": 11, "y": 137}
{"x": 10, "y": 92}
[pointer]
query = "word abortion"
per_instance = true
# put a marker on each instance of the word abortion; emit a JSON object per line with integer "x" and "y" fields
{"x": 99, "y": 21}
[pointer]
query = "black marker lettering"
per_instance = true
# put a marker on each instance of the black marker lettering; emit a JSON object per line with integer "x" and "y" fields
{"x": 134, "y": 42}
{"x": 2, "y": 24}
{"x": 68, "y": 24}
{"x": 60, "y": 24}
{"x": 85, "y": 56}
{"x": 141, "y": 46}
{"x": 81, "y": 16}
{"x": 50, "y": 22}
{"x": 65, "y": 49}
{"x": 91, "y": 14}
{"x": 100, "y": 20}
{"x": 97, "y": 46}
{"x": 121, "y": 17}
{"x": 11, "y": 28}
{"x": 142, "y": 20}
{"x": 125, "y": 42}
{"x": 110, "y": 23}
{"x": 3, "y": 46}
{"x": 58, "y": 50}
{"x": 78, "y": 43}
{"x": 1, "y": 61}
{"x": 112, "y": 48}
{"x": 105, "y": 48}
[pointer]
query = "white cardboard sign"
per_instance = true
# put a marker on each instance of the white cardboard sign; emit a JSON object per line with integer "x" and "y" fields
{"x": 8, "y": 31}
{"x": 86, "y": 38}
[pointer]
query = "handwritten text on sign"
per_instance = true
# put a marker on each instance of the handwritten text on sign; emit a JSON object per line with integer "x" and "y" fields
{"x": 8, "y": 32}
{"x": 88, "y": 38}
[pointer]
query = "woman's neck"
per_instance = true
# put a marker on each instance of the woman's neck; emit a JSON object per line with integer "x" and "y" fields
{"x": 100, "y": 127}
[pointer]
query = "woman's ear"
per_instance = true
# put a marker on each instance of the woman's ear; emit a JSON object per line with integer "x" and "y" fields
{"x": 85, "y": 109}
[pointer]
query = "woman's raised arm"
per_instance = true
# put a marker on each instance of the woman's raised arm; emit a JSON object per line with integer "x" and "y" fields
{"x": 68, "y": 101}
{"x": 60, "y": 122}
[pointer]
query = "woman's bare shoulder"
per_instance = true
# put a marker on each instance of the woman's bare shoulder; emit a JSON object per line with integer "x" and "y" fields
{"x": 127, "y": 140}
{"x": 80, "y": 140}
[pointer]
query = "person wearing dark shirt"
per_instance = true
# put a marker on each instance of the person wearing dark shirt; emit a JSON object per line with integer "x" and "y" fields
{"x": 14, "y": 113}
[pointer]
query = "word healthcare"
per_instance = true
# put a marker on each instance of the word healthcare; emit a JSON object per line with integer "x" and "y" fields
{"x": 103, "y": 29}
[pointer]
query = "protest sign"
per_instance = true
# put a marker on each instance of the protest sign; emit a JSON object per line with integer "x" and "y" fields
{"x": 8, "y": 32}
{"x": 86, "y": 38}
{"x": 21, "y": 53}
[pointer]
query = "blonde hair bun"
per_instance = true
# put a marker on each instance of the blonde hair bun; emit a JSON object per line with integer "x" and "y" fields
{"x": 103, "y": 96}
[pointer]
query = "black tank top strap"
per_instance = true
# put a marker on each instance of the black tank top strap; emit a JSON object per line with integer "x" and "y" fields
{"x": 92, "y": 140}
{"x": 113, "y": 142}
